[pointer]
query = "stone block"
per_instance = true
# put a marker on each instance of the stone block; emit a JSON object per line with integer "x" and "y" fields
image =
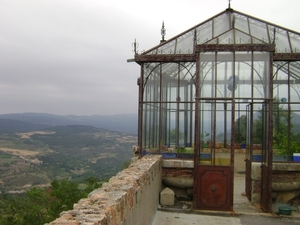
{"x": 256, "y": 186}
{"x": 256, "y": 171}
{"x": 178, "y": 182}
{"x": 286, "y": 196}
{"x": 255, "y": 198}
{"x": 167, "y": 197}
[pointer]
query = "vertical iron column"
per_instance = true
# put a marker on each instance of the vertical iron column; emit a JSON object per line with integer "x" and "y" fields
{"x": 140, "y": 113}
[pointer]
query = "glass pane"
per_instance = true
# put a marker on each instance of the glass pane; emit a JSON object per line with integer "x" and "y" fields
{"x": 214, "y": 132}
{"x": 282, "y": 41}
{"x": 185, "y": 43}
{"x": 295, "y": 41}
{"x": 204, "y": 32}
{"x": 259, "y": 30}
{"x": 221, "y": 24}
{"x": 167, "y": 48}
{"x": 241, "y": 23}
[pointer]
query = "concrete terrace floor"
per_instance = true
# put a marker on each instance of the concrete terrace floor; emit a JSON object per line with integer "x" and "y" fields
{"x": 244, "y": 212}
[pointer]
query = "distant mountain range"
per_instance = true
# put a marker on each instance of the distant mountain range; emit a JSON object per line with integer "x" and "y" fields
{"x": 25, "y": 122}
{"x": 127, "y": 123}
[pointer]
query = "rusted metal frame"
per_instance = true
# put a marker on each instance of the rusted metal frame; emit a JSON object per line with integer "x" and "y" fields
{"x": 166, "y": 58}
{"x": 212, "y": 113}
{"x": 152, "y": 118}
{"x": 286, "y": 57}
{"x": 264, "y": 197}
{"x": 235, "y": 47}
{"x": 150, "y": 102}
{"x": 178, "y": 107}
{"x": 232, "y": 128}
{"x": 140, "y": 115}
{"x": 196, "y": 134}
{"x": 230, "y": 20}
{"x": 195, "y": 40}
{"x": 252, "y": 96}
{"x": 270, "y": 132}
{"x": 289, "y": 112}
{"x": 186, "y": 95}
{"x": 191, "y": 114}
{"x": 215, "y": 76}
{"x": 230, "y": 99}
{"x": 232, "y": 111}
{"x": 157, "y": 112}
{"x": 175, "y": 49}
{"x": 249, "y": 28}
{"x": 268, "y": 32}
{"x": 160, "y": 109}
{"x": 289, "y": 39}
{"x": 225, "y": 106}
{"x": 248, "y": 159}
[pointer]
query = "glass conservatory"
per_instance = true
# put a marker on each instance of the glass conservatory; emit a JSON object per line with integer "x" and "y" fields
{"x": 230, "y": 82}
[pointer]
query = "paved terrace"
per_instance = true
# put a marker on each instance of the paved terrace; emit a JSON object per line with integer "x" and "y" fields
{"x": 132, "y": 198}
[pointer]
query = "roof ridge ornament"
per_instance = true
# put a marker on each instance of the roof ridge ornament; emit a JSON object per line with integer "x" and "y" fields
{"x": 229, "y": 1}
{"x": 135, "y": 46}
{"x": 163, "y": 32}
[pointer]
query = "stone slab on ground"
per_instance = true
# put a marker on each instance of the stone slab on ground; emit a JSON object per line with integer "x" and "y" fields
{"x": 167, "y": 197}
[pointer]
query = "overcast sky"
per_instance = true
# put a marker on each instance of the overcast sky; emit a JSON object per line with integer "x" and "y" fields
{"x": 70, "y": 56}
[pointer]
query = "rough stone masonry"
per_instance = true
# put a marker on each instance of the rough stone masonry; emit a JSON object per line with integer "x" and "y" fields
{"x": 130, "y": 197}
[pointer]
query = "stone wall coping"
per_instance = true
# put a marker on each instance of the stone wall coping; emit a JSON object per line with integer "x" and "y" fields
{"x": 118, "y": 201}
{"x": 286, "y": 166}
{"x": 177, "y": 163}
{"x": 281, "y": 166}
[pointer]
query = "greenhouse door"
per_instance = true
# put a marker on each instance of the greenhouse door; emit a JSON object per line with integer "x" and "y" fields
{"x": 266, "y": 167}
{"x": 214, "y": 162}
{"x": 263, "y": 157}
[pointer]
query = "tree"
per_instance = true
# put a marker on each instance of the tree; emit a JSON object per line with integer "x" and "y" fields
{"x": 66, "y": 193}
{"x": 39, "y": 206}
{"x": 240, "y": 129}
{"x": 285, "y": 142}
{"x": 31, "y": 208}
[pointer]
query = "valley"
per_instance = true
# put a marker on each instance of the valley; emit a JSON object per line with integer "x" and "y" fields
{"x": 72, "y": 152}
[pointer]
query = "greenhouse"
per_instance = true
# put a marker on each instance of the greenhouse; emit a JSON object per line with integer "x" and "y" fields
{"x": 228, "y": 84}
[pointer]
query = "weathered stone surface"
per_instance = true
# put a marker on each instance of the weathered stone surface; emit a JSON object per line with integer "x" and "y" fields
{"x": 190, "y": 192}
{"x": 285, "y": 181}
{"x": 130, "y": 197}
{"x": 285, "y": 185}
{"x": 180, "y": 192}
{"x": 255, "y": 198}
{"x": 286, "y": 166}
{"x": 178, "y": 182}
{"x": 178, "y": 163}
{"x": 167, "y": 197}
{"x": 256, "y": 171}
{"x": 256, "y": 186}
{"x": 286, "y": 196}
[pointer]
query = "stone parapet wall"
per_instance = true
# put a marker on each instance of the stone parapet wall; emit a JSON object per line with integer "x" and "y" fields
{"x": 130, "y": 197}
{"x": 285, "y": 182}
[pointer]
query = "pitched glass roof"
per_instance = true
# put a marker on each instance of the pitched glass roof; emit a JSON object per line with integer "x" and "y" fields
{"x": 231, "y": 27}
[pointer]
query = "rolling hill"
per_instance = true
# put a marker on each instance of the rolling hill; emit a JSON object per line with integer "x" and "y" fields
{"x": 36, "y": 157}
